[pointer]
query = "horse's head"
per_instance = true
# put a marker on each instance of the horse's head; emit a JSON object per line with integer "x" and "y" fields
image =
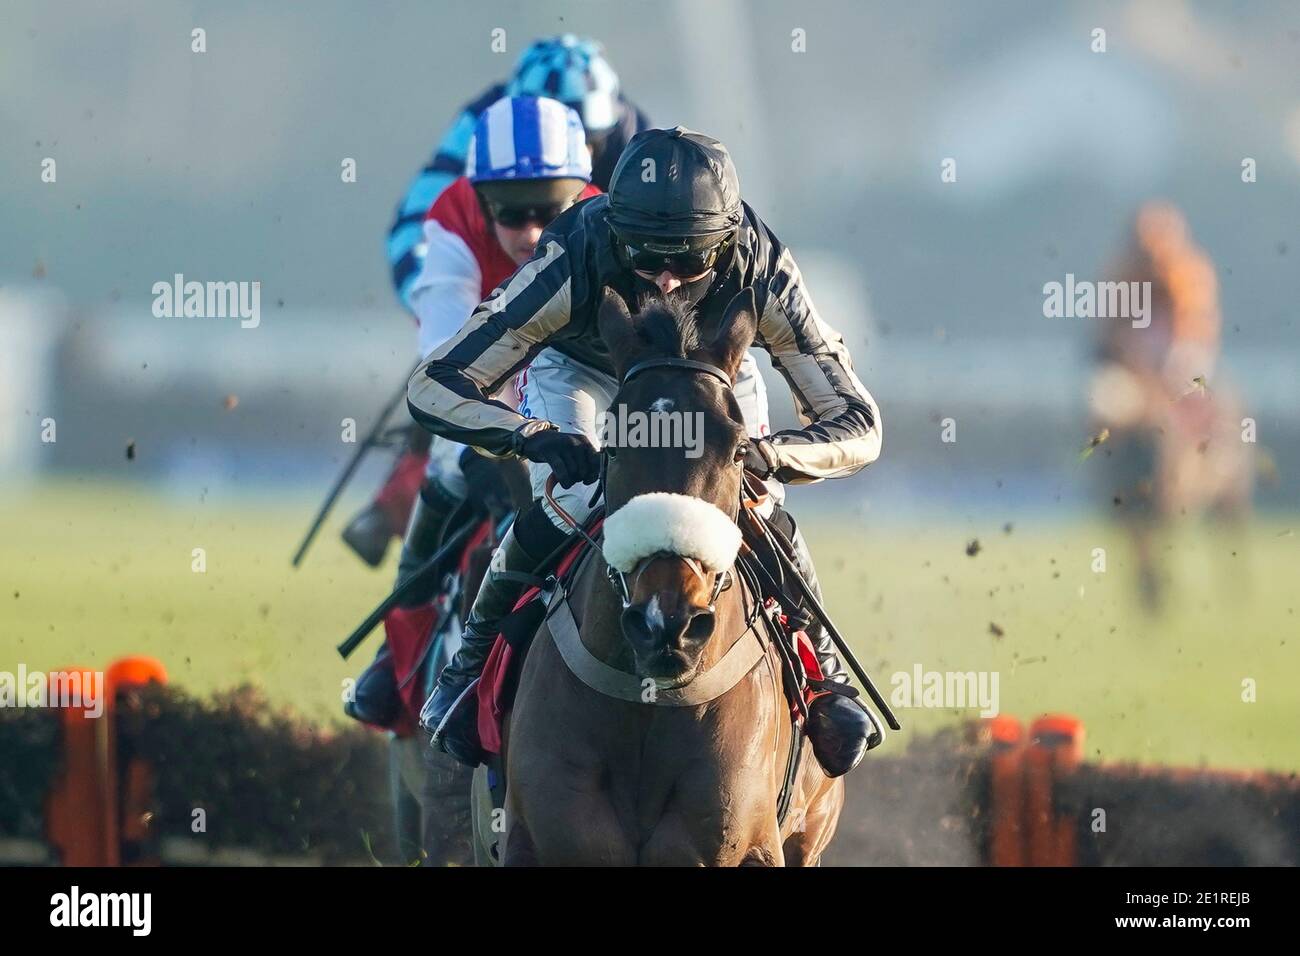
{"x": 675, "y": 444}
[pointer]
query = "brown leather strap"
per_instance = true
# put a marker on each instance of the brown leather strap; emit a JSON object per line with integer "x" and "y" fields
{"x": 739, "y": 660}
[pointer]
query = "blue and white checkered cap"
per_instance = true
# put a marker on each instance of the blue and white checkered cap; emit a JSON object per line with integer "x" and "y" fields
{"x": 574, "y": 71}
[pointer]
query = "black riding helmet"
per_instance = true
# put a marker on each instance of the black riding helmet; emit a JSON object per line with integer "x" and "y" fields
{"x": 674, "y": 201}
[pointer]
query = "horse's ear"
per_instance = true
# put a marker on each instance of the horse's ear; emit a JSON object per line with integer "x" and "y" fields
{"x": 736, "y": 334}
{"x": 618, "y": 330}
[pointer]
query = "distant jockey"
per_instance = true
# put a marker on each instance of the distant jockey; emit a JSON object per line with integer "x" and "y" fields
{"x": 528, "y": 162}
{"x": 567, "y": 68}
{"x": 1171, "y": 421}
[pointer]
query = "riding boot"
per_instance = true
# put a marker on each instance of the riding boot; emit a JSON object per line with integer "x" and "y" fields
{"x": 433, "y": 508}
{"x": 368, "y": 533}
{"x": 453, "y": 724}
{"x": 374, "y": 526}
{"x": 374, "y": 699}
{"x": 841, "y": 728}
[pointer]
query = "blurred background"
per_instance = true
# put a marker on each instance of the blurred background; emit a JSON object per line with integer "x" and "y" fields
{"x": 175, "y": 434}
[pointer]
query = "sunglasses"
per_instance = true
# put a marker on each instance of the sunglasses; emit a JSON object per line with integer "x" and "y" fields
{"x": 516, "y": 217}
{"x": 682, "y": 265}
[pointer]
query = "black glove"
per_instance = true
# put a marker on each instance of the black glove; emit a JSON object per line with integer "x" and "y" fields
{"x": 756, "y": 463}
{"x": 571, "y": 457}
{"x": 486, "y": 486}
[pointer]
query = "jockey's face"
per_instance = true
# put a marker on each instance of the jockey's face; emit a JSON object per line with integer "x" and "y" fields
{"x": 518, "y": 243}
{"x": 520, "y": 209}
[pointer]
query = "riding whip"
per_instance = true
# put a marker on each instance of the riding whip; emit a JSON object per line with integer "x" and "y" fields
{"x": 812, "y": 604}
{"x": 372, "y": 440}
{"x": 400, "y": 592}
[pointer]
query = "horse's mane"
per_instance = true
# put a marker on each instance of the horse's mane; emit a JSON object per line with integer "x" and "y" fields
{"x": 667, "y": 324}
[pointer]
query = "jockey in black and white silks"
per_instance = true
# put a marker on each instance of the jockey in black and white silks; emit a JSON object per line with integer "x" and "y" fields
{"x": 673, "y": 223}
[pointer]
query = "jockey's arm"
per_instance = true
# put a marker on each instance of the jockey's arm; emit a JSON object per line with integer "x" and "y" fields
{"x": 450, "y": 393}
{"x": 447, "y": 288}
{"x": 842, "y": 428}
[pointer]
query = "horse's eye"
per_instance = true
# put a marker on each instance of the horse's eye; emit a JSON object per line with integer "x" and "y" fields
{"x": 741, "y": 452}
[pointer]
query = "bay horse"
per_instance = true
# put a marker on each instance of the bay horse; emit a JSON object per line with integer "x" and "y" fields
{"x": 650, "y": 727}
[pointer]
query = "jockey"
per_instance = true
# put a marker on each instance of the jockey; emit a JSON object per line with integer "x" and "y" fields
{"x": 527, "y": 164}
{"x": 567, "y": 68}
{"x": 1146, "y": 389}
{"x": 673, "y": 223}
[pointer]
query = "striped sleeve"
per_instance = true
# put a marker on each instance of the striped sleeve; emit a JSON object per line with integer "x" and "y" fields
{"x": 450, "y": 394}
{"x": 405, "y": 245}
{"x": 841, "y": 430}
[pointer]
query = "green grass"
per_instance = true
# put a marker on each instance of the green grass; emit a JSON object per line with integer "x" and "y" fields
{"x": 1159, "y": 689}
{"x": 92, "y": 572}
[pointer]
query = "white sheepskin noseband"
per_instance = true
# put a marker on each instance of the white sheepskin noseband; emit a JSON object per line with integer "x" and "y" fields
{"x": 660, "y": 522}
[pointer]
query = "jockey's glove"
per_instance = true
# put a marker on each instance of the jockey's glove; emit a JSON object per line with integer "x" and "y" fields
{"x": 760, "y": 459}
{"x": 572, "y": 458}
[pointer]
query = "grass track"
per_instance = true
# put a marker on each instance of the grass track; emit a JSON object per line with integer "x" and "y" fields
{"x": 91, "y": 572}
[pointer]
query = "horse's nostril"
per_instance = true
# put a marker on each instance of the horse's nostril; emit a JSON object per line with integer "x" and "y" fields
{"x": 637, "y": 626}
{"x": 645, "y": 628}
{"x": 700, "y": 626}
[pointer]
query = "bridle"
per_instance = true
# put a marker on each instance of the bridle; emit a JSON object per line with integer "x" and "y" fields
{"x": 683, "y": 363}
{"x": 623, "y": 581}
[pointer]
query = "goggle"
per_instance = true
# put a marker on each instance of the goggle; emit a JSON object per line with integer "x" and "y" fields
{"x": 674, "y": 259}
{"x": 516, "y": 217}
{"x": 679, "y": 264}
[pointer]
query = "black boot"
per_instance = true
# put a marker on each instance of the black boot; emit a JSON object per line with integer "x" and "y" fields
{"x": 374, "y": 699}
{"x": 841, "y": 729}
{"x": 368, "y": 534}
{"x": 513, "y": 565}
{"x": 373, "y": 527}
{"x": 424, "y": 533}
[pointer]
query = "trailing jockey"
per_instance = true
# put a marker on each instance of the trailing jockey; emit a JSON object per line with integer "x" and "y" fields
{"x": 673, "y": 224}
{"x": 567, "y": 68}
{"x": 528, "y": 162}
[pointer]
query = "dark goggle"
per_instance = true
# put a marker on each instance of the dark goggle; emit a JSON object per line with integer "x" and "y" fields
{"x": 683, "y": 265}
{"x": 516, "y": 217}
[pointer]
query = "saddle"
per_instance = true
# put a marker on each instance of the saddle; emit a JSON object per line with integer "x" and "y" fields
{"x": 393, "y": 688}
{"x": 500, "y": 678}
